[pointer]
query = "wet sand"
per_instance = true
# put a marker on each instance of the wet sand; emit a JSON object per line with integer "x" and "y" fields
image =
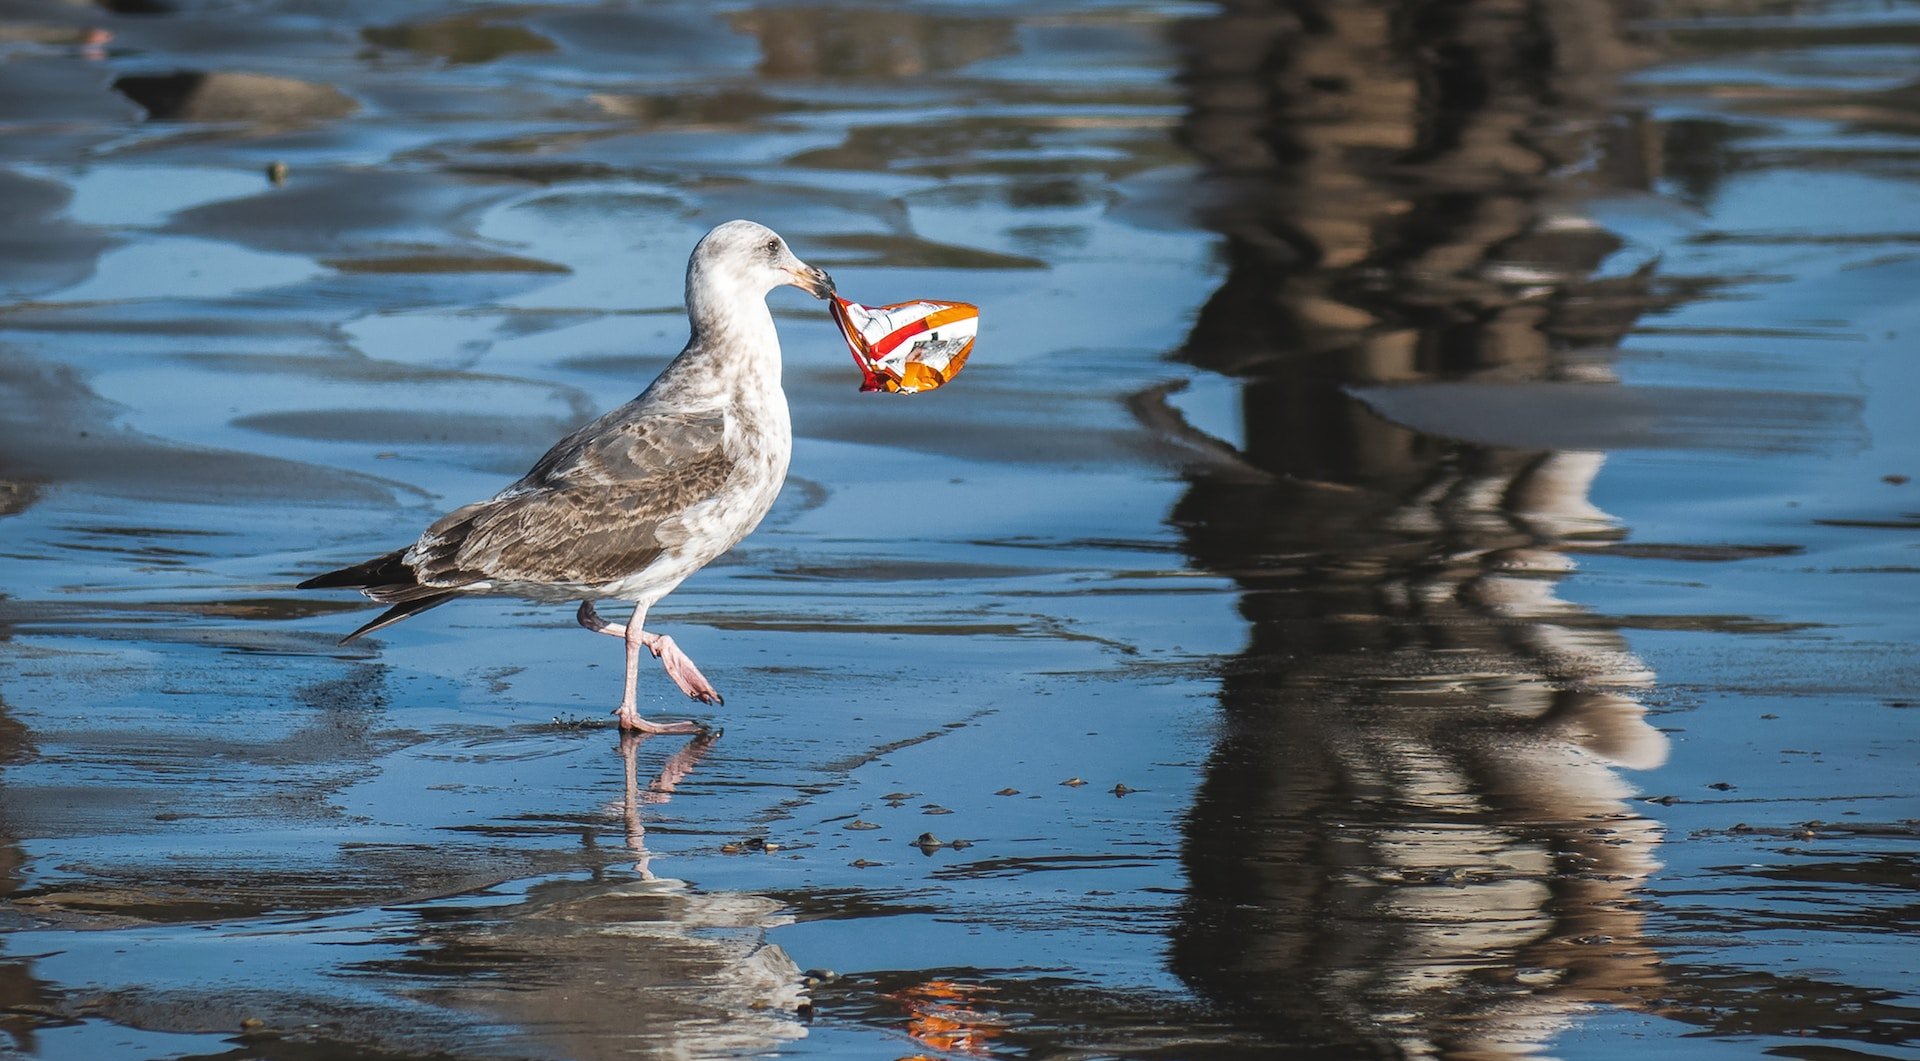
{"x": 1421, "y": 563}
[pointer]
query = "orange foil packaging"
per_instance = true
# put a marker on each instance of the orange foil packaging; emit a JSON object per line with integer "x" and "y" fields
{"x": 908, "y": 347}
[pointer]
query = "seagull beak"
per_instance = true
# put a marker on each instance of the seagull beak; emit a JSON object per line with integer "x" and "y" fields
{"x": 813, "y": 281}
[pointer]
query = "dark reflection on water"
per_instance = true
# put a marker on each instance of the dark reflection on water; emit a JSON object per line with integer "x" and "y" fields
{"x": 24, "y": 998}
{"x": 1410, "y": 837}
{"x": 232, "y": 97}
{"x": 462, "y": 39}
{"x": 816, "y": 41}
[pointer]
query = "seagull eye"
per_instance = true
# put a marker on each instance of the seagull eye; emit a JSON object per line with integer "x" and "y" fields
{"x": 773, "y": 245}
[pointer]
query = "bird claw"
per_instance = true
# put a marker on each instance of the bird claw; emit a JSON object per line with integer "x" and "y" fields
{"x": 684, "y": 674}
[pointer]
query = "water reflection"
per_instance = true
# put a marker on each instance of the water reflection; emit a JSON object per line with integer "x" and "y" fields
{"x": 1411, "y": 837}
{"x": 23, "y": 996}
{"x": 809, "y": 42}
{"x": 941, "y": 1016}
{"x": 258, "y": 99}
{"x": 673, "y": 771}
{"x": 458, "y": 40}
{"x": 640, "y": 965}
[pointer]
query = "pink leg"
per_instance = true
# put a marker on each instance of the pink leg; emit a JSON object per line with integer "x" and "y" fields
{"x": 680, "y": 668}
{"x": 677, "y": 665}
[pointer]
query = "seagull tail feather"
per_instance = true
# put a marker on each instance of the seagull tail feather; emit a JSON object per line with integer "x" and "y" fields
{"x": 389, "y": 579}
{"x": 386, "y": 570}
{"x": 401, "y": 611}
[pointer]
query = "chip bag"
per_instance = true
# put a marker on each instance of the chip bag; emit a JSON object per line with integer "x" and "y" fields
{"x": 909, "y": 346}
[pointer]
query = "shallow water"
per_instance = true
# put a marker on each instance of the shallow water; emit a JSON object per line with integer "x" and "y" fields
{"x": 1421, "y": 564}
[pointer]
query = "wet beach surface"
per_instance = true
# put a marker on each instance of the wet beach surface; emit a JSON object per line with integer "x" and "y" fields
{"x": 1422, "y": 562}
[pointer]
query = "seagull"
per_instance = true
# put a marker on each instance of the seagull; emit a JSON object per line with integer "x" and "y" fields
{"x": 628, "y": 506}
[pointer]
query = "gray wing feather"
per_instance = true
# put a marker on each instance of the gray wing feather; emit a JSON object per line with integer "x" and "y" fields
{"x": 627, "y": 444}
{"x": 589, "y": 511}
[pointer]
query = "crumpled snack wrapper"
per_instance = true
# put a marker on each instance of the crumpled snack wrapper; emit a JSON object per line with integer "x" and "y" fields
{"x": 908, "y": 347}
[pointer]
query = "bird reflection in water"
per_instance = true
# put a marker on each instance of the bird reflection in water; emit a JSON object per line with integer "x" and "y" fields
{"x": 658, "y": 791}
{"x": 695, "y": 972}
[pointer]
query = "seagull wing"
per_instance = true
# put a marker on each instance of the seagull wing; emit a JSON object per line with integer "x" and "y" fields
{"x": 598, "y": 507}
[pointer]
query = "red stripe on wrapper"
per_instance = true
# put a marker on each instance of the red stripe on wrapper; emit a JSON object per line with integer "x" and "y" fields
{"x": 925, "y": 363}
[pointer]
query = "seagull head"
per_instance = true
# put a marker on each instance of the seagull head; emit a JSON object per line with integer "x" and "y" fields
{"x": 752, "y": 258}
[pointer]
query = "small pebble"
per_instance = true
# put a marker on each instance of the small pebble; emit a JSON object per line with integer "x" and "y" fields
{"x": 934, "y": 808}
{"x": 861, "y": 863}
{"x": 1073, "y": 782}
{"x": 958, "y": 844}
{"x": 252, "y": 1023}
{"x": 929, "y": 842}
{"x": 1008, "y": 792}
{"x": 861, "y": 825}
{"x": 1722, "y": 786}
{"x": 897, "y": 797}
{"x": 277, "y": 172}
{"x": 1896, "y": 480}
{"x": 1121, "y": 790}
